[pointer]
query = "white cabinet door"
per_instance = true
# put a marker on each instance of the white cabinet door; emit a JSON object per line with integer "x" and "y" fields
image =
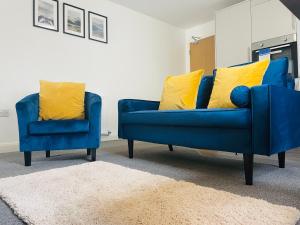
{"x": 271, "y": 19}
{"x": 233, "y": 35}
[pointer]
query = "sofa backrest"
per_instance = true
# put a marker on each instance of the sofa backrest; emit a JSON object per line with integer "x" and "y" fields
{"x": 290, "y": 81}
{"x": 204, "y": 92}
{"x": 276, "y": 74}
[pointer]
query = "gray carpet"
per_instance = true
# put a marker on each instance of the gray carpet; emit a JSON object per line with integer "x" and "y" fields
{"x": 222, "y": 171}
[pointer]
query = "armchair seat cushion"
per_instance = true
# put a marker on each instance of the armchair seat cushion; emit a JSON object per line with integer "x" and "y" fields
{"x": 206, "y": 118}
{"x": 58, "y": 127}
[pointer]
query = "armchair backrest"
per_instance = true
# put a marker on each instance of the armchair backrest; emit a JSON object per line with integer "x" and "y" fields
{"x": 29, "y": 106}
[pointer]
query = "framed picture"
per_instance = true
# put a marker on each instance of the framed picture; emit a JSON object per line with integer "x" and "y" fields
{"x": 74, "y": 20}
{"x": 45, "y": 14}
{"x": 97, "y": 27}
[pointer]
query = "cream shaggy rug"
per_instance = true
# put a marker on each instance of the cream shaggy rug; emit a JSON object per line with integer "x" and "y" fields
{"x": 105, "y": 193}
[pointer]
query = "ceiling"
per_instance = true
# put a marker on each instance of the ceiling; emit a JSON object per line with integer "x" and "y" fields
{"x": 293, "y": 5}
{"x": 181, "y": 13}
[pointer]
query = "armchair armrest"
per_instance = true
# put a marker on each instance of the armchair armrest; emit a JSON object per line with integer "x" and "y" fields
{"x": 27, "y": 111}
{"x": 93, "y": 104}
{"x": 275, "y": 119}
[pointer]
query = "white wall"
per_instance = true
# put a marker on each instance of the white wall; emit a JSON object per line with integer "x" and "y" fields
{"x": 202, "y": 31}
{"x": 140, "y": 53}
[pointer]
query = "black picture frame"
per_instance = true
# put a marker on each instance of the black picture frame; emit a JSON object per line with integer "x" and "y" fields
{"x": 64, "y": 20}
{"x": 35, "y": 24}
{"x": 106, "y": 27}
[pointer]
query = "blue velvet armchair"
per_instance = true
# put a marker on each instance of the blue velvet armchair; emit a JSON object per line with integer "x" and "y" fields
{"x": 268, "y": 125}
{"x": 36, "y": 135}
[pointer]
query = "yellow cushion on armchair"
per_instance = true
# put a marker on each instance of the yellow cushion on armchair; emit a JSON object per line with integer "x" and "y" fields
{"x": 61, "y": 100}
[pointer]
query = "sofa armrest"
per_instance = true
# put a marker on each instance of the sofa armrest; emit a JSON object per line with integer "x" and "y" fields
{"x": 275, "y": 119}
{"x": 93, "y": 105}
{"x": 27, "y": 111}
{"x": 131, "y": 105}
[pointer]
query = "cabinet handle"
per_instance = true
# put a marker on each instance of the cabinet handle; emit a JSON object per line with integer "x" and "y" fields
{"x": 294, "y": 23}
{"x": 249, "y": 54}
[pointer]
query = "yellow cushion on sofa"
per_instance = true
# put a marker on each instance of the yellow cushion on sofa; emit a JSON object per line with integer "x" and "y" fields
{"x": 61, "y": 100}
{"x": 228, "y": 78}
{"x": 180, "y": 92}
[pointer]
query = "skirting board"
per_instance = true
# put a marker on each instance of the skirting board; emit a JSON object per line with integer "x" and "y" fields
{"x": 14, "y": 146}
{"x": 9, "y": 147}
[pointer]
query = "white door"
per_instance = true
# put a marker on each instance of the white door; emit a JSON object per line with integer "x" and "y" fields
{"x": 271, "y": 19}
{"x": 233, "y": 35}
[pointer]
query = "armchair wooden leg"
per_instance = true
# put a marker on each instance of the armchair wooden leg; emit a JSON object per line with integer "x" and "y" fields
{"x": 27, "y": 158}
{"x": 281, "y": 159}
{"x": 88, "y": 151}
{"x": 130, "y": 148}
{"x": 93, "y": 154}
{"x": 47, "y": 154}
{"x": 248, "y": 168}
{"x": 171, "y": 148}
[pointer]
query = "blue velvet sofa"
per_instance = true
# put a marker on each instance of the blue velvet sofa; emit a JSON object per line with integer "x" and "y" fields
{"x": 36, "y": 135}
{"x": 268, "y": 125}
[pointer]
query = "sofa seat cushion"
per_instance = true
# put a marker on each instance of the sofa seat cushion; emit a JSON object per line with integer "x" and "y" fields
{"x": 210, "y": 118}
{"x": 58, "y": 127}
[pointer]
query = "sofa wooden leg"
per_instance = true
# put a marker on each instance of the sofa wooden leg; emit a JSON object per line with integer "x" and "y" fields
{"x": 88, "y": 151}
{"x": 171, "y": 148}
{"x": 93, "y": 154}
{"x": 130, "y": 148}
{"x": 248, "y": 168}
{"x": 281, "y": 159}
{"x": 47, "y": 154}
{"x": 27, "y": 158}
